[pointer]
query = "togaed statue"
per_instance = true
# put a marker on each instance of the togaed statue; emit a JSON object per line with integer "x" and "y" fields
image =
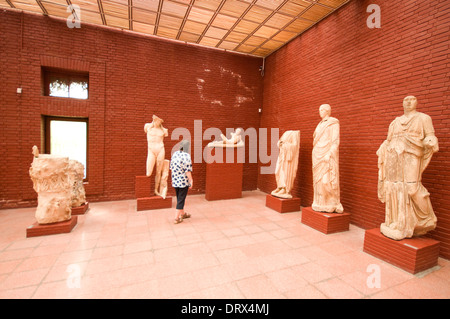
{"x": 287, "y": 163}
{"x": 325, "y": 160}
{"x": 402, "y": 158}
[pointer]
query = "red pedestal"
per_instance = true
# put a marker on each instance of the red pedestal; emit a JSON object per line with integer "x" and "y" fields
{"x": 143, "y": 186}
{"x": 411, "y": 254}
{"x": 224, "y": 177}
{"x": 154, "y": 202}
{"x": 326, "y": 223}
{"x": 283, "y": 205}
{"x": 52, "y": 229}
{"x": 80, "y": 210}
{"x": 145, "y": 195}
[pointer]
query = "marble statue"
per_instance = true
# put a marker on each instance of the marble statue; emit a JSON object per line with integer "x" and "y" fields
{"x": 50, "y": 176}
{"x": 156, "y": 152}
{"x": 325, "y": 162}
{"x": 234, "y": 141}
{"x": 76, "y": 175}
{"x": 402, "y": 158}
{"x": 164, "y": 177}
{"x": 287, "y": 163}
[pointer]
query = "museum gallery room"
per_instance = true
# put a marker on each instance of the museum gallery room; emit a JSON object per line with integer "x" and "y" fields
{"x": 224, "y": 150}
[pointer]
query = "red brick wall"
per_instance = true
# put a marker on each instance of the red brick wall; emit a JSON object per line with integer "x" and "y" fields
{"x": 132, "y": 77}
{"x": 364, "y": 74}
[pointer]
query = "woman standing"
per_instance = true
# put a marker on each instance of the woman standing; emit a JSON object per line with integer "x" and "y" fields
{"x": 181, "y": 167}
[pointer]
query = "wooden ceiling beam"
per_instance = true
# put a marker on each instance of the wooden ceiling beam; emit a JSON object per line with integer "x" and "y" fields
{"x": 263, "y": 23}
{"x": 74, "y": 13}
{"x": 237, "y": 22}
{"x": 211, "y": 20}
{"x": 158, "y": 16}
{"x": 44, "y": 11}
{"x": 130, "y": 14}
{"x": 102, "y": 12}
{"x": 185, "y": 19}
{"x": 10, "y": 4}
{"x": 298, "y": 17}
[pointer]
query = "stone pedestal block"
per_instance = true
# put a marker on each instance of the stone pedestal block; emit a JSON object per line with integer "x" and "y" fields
{"x": 80, "y": 210}
{"x": 143, "y": 186}
{"x": 326, "y": 223}
{"x": 154, "y": 202}
{"x": 145, "y": 195}
{"x": 51, "y": 229}
{"x": 283, "y": 205}
{"x": 223, "y": 174}
{"x": 410, "y": 254}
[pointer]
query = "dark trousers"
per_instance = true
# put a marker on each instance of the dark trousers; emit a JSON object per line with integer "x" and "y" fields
{"x": 181, "y": 196}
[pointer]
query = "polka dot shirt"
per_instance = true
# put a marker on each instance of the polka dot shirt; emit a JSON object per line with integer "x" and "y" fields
{"x": 179, "y": 165}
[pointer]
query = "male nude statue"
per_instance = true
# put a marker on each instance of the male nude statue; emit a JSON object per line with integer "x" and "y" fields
{"x": 156, "y": 153}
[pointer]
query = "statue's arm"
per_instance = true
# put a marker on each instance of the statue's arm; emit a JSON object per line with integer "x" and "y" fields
{"x": 147, "y": 126}
{"x": 430, "y": 141}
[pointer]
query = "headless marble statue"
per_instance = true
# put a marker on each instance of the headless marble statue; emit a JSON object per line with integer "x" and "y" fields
{"x": 287, "y": 163}
{"x": 156, "y": 152}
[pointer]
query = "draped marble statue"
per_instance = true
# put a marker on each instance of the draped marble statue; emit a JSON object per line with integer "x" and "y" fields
{"x": 325, "y": 161}
{"x": 156, "y": 152}
{"x": 287, "y": 163}
{"x": 402, "y": 158}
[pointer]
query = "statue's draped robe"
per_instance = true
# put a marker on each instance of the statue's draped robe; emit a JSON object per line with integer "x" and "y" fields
{"x": 325, "y": 160}
{"x": 287, "y": 163}
{"x": 402, "y": 158}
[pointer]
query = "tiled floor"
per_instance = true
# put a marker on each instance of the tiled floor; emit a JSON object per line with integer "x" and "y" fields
{"x": 228, "y": 249}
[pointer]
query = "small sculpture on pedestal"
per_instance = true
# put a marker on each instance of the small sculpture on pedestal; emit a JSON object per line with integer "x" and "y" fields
{"x": 325, "y": 161}
{"x": 287, "y": 163}
{"x": 402, "y": 158}
{"x": 50, "y": 176}
{"x": 156, "y": 152}
{"x": 234, "y": 141}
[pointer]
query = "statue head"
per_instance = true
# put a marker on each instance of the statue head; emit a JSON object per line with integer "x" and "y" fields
{"x": 325, "y": 110}
{"x": 409, "y": 103}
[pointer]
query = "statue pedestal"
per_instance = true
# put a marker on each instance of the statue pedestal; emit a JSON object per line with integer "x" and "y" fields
{"x": 410, "y": 254}
{"x": 51, "y": 229}
{"x": 143, "y": 186}
{"x": 146, "y": 199}
{"x": 326, "y": 223}
{"x": 80, "y": 210}
{"x": 283, "y": 205}
{"x": 223, "y": 177}
{"x": 154, "y": 202}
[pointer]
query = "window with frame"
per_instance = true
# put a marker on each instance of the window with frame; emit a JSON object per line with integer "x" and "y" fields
{"x": 67, "y": 137}
{"x": 65, "y": 83}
